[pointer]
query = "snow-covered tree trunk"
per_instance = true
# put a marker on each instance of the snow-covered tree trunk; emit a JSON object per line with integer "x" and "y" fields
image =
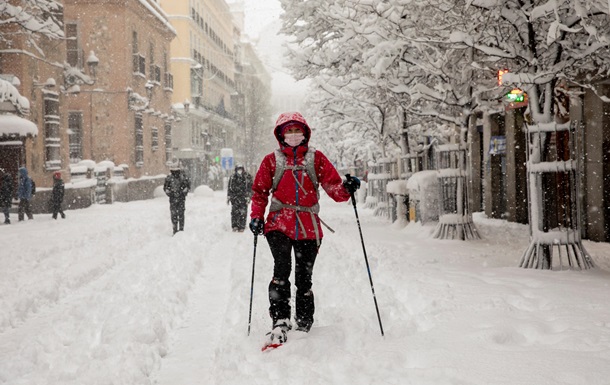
{"x": 455, "y": 218}
{"x": 563, "y": 238}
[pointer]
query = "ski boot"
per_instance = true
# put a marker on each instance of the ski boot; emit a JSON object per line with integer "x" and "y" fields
{"x": 303, "y": 326}
{"x": 278, "y": 335}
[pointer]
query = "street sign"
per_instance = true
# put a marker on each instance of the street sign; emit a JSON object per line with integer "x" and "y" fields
{"x": 227, "y": 163}
{"x": 226, "y": 158}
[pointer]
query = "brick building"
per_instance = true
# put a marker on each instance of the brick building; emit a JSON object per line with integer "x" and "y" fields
{"x": 103, "y": 94}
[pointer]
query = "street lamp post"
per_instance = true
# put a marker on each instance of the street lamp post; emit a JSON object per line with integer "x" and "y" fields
{"x": 92, "y": 63}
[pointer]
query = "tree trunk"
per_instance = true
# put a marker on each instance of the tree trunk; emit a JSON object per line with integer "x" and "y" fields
{"x": 553, "y": 190}
{"x": 455, "y": 219}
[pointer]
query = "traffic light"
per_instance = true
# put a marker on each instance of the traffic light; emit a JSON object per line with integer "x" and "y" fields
{"x": 500, "y": 74}
{"x": 515, "y": 96}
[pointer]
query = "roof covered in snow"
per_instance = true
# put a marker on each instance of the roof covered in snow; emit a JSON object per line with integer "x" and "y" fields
{"x": 13, "y": 125}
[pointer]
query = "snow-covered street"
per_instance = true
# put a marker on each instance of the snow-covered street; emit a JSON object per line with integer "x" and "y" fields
{"x": 108, "y": 296}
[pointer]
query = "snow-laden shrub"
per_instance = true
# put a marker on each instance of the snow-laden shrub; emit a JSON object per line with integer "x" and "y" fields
{"x": 159, "y": 193}
{"x": 204, "y": 191}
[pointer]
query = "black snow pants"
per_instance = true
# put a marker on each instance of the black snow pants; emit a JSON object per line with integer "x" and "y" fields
{"x": 25, "y": 207}
{"x": 279, "y": 289}
{"x": 56, "y": 209}
{"x": 176, "y": 209}
{"x": 239, "y": 211}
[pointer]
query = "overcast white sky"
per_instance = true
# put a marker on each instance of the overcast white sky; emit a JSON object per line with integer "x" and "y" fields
{"x": 260, "y": 13}
{"x": 262, "y": 25}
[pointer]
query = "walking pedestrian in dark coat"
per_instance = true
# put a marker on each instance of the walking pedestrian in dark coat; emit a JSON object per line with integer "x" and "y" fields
{"x": 177, "y": 186}
{"x": 6, "y": 196}
{"x": 57, "y": 195}
{"x": 239, "y": 192}
{"x": 24, "y": 193}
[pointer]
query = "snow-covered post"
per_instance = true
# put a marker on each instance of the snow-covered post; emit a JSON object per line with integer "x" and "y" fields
{"x": 455, "y": 219}
{"x": 566, "y": 236}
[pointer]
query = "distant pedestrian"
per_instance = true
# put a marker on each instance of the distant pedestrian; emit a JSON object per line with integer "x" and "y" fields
{"x": 177, "y": 186}
{"x": 24, "y": 193}
{"x": 215, "y": 177}
{"x": 6, "y": 196}
{"x": 57, "y": 195}
{"x": 239, "y": 192}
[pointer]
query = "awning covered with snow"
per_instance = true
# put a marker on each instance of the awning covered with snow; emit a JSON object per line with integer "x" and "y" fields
{"x": 13, "y": 125}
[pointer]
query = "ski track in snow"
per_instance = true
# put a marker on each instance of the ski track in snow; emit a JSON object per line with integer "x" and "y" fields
{"x": 108, "y": 296}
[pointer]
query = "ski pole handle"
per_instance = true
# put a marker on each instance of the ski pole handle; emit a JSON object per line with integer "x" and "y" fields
{"x": 351, "y": 193}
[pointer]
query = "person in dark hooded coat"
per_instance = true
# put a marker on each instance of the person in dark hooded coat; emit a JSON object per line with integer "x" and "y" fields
{"x": 24, "y": 193}
{"x": 176, "y": 187}
{"x": 57, "y": 195}
{"x": 239, "y": 192}
{"x": 6, "y": 196}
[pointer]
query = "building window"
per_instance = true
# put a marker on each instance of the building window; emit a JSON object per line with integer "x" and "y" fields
{"x": 52, "y": 138}
{"x": 75, "y": 136}
{"x": 134, "y": 42}
{"x": 168, "y": 78}
{"x": 73, "y": 51}
{"x": 139, "y": 62}
{"x": 168, "y": 142}
{"x": 155, "y": 138}
{"x": 169, "y": 81}
{"x": 151, "y": 62}
{"x": 139, "y": 131}
{"x": 156, "y": 74}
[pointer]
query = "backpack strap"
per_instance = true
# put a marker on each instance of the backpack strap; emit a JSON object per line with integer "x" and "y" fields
{"x": 308, "y": 166}
{"x": 280, "y": 167}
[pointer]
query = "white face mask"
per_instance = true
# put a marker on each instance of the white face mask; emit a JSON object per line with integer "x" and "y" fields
{"x": 240, "y": 171}
{"x": 294, "y": 140}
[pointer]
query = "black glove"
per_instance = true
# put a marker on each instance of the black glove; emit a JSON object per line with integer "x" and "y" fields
{"x": 256, "y": 226}
{"x": 351, "y": 183}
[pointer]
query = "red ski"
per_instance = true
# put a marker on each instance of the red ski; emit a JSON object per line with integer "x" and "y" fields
{"x": 270, "y": 347}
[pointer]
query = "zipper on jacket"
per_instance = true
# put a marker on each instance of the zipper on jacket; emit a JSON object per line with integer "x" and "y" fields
{"x": 296, "y": 188}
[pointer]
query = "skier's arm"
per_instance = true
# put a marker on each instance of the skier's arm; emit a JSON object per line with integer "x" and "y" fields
{"x": 329, "y": 178}
{"x": 261, "y": 187}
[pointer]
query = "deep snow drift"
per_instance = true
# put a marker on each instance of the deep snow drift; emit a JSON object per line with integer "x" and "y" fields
{"x": 108, "y": 296}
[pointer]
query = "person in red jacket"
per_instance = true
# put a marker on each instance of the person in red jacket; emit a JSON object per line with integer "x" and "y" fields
{"x": 292, "y": 221}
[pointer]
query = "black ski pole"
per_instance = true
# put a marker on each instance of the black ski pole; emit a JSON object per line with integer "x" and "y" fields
{"x": 368, "y": 269}
{"x": 252, "y": 284}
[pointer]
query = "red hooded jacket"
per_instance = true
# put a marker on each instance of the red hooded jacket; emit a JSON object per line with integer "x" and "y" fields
{"x": 288, "y": 190}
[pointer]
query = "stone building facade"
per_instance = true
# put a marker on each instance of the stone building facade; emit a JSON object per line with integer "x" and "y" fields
{"x": 202, "y": 61}
{"x": 103, "y": 94}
